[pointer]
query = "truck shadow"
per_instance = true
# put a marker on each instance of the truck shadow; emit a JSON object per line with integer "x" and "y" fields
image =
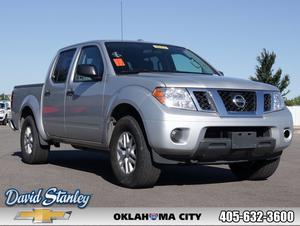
{"x": 98, "y": 163}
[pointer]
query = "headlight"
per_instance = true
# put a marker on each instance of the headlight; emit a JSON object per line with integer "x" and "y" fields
{"x": 1, "y": 111}
{"x": 278, "y": 101}
{"x": 174, "y": 98}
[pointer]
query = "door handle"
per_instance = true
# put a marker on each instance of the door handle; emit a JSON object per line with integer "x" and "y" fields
{"x": 47, "y": 92}
{"x": 70, "y": 93}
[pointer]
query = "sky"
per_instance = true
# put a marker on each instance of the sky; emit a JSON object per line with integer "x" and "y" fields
{"x": 228, "y": 34}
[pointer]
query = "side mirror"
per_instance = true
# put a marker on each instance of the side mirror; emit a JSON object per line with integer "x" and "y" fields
{"x": 221, "y": 73}
{"x": 89, "y": 70}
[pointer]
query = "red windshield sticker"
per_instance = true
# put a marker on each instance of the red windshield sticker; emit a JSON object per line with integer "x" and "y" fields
{"x": 119, "y": 62}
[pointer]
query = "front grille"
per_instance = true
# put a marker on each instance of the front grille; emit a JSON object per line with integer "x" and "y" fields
{"x": 229, "y": 96}
{"x": 267, "y": 102}
{"x": 203, "y": 100}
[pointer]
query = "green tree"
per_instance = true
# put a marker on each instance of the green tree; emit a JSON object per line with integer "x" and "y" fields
{"x": 3, "y": 97}
{"x": 264, "y": 72}
{"x": 293, "y": 102}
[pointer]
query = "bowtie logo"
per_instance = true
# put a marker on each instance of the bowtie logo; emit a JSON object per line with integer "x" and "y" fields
{"x": 43, "y": 215}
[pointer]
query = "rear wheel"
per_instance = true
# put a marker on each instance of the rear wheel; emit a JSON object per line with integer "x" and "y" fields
{"x": 255, "y": 170}
{"x": 5, "y": 120}
{"x": 32, "y": 150}
{"x": 130, "y": 157}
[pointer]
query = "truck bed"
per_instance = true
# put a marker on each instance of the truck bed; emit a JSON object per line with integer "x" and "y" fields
{"x": 19, "y": 94}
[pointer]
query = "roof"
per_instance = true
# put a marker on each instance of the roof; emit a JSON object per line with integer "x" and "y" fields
{"x": 114, "y": 40}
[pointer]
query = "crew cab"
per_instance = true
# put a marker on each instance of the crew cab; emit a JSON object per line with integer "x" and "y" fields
{"x": 149, "y": 104}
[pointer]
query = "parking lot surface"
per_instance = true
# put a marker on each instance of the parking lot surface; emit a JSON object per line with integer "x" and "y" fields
{"x": 178, "y": 186}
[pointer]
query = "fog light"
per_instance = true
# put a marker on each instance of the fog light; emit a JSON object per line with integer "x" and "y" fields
{"x": 287, "y": 134}
{"x": 176, "y": 135}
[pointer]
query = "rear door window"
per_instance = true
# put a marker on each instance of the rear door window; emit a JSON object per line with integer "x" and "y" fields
{"x": 62, "y": 67}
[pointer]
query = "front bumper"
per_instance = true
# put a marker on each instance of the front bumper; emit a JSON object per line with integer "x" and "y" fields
{"x": 211, "y": 150}
{"x": 196, "y": 146}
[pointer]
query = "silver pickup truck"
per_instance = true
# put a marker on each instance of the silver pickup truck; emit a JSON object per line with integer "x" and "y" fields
{"x": 150, "y": 104}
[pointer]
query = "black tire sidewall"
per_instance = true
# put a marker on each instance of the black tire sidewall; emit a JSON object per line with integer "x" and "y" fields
{"x": 128, "y": 124}
{"x": 5, "y": 120}
{"x": 259, "y": 170}
{"x": 26, "y": 157}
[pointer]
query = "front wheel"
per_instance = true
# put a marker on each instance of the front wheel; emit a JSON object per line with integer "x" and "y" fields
{"x": 255, "y": 170}
{"x": 32, "y": 150}
{"x": 130, "y": 157}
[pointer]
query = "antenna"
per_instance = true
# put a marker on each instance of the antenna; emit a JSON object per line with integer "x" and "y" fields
{"x": 122, "y": 20}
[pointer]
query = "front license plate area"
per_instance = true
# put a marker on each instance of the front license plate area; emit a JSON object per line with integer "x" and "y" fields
{"x": 243, "y": 140}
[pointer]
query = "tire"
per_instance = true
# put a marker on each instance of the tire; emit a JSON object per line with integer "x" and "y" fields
{"x": 257, "y": 170}
{"x": 140, "y": 174}
{"x": 5, "y": 120}
{"x": 32, "y": 150}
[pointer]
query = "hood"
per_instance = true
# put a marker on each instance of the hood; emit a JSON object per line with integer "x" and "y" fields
{"x": 188, "y": 80}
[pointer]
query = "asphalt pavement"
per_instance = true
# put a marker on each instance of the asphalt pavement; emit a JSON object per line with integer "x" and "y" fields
{"x": 178, "y": 186}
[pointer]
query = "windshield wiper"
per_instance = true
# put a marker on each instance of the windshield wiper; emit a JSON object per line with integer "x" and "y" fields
{"x": 150, "y": 71}
{"x": 188, "y": 72}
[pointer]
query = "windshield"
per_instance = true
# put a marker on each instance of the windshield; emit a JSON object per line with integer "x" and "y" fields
{"x": 2, "y": 105}
{"x": 134, "y": 57}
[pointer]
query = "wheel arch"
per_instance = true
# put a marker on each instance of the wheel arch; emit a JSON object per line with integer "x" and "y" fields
{"x": 26, "y": 111}
{"x": 31, "y": 106}
{"x": 121, "y": 110}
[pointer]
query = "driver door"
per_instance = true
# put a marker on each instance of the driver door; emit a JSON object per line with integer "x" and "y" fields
{"x": 84, "y": 107}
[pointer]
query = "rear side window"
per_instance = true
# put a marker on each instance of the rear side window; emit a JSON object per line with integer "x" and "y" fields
{"x": 62, "y": 67}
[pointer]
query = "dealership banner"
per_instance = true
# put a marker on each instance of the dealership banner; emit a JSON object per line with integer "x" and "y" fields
{"x": 149, "y": 216}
